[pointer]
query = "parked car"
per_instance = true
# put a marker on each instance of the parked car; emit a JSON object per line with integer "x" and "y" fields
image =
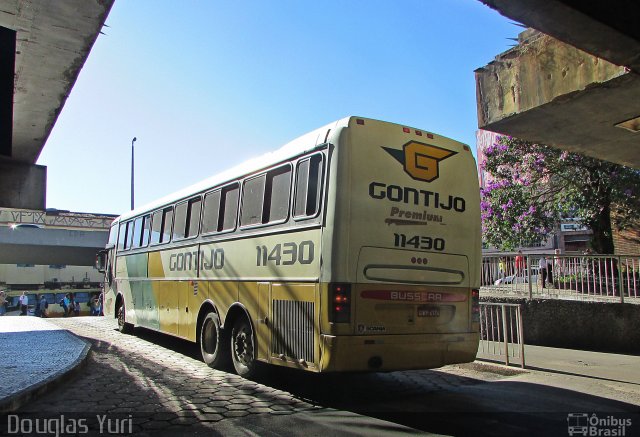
{"x": 522, "y": 278}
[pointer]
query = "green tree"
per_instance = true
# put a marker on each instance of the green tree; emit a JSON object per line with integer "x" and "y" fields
{"x": 533, "y": 186}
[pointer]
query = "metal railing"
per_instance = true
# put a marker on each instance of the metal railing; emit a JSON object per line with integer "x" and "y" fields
{"x": 501, "y": 332}
{"x": 579, "y": 277}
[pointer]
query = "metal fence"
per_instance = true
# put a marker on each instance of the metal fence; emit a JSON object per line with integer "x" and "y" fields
{"x": 501, "y": 333}
{"x": 582, "y": 277}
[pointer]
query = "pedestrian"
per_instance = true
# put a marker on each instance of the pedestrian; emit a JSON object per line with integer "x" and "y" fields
{"x": 542, "y": 264}
{"x": 64, "y": 303}
{"x": 501, "y": 267}
{"x": 36, "y": 307}
{"x": 95, "y": 305}
{"x": 24, "y": 303}
{"x": 76, "y": 308}
{"x": 72, "y": 305}
{"x": 519, "y": 263}
{"x": 3, "y": 303}
{"x": 44, "y": 305}
{"x": 100, "y": 306}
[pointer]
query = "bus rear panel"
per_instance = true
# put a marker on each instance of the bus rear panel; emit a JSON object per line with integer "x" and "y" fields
{"x": 403, "y": 278}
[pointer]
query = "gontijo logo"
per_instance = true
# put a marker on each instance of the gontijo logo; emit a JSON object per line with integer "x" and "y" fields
{"x": 420, "y": 160}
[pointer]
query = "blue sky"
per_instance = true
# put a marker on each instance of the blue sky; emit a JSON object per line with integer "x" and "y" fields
{"x": 205, "y": 85}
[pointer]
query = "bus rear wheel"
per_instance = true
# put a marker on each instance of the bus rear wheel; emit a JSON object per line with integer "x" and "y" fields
{"x": 124, "y": 327}
{"x": 211, "y": 345}
{"x": 243, "y": 350}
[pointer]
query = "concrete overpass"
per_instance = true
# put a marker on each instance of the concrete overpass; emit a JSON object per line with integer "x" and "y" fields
{"x": 51, "y": 236}
{"x": 43, "y": 46}
{"x": 575, "y": 84}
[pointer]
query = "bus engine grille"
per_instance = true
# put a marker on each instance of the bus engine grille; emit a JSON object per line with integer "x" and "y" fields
{"x": 292, "y": 334}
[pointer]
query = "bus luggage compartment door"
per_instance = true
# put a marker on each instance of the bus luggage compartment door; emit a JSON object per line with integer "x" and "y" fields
{"x": 408, "y": 292}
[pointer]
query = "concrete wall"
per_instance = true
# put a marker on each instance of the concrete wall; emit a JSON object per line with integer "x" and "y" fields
{"x": 23, "y": 185}
{"x": 595, "y": 326}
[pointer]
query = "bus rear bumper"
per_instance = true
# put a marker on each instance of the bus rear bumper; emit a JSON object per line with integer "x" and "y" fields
{"x": 396, "y": 352}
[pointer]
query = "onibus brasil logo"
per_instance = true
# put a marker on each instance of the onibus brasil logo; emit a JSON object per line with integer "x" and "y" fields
{"x": 420, "y": 160}
{"x": 593, "y": 425}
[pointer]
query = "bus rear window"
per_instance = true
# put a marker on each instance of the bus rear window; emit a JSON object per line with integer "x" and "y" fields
{"x": 308, "y": 187}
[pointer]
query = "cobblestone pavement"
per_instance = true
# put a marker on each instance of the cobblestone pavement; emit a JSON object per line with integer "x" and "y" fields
{"x": 164, "y": 383}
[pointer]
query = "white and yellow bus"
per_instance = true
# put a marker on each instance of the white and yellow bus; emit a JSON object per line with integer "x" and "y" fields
{"x": 355, "y": 247}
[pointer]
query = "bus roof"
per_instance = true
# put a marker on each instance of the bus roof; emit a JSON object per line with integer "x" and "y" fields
{"x": 298, "y": 146}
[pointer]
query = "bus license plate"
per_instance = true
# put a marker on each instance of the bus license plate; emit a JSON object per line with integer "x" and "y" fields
{"x": 428, "y": 311}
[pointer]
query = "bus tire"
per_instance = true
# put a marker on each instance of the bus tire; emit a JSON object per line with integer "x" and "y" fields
{"x": 212, "y": 348}
{"x": 124, "y": 327}
{"x": 243, "y": 349}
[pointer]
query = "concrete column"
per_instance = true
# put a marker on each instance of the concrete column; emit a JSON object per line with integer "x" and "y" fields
{"x": 23, "y": 185}
{"x": 7, "y": 75}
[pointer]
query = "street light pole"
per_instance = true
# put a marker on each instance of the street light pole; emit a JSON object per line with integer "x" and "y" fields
{"x": 132, "y": 171}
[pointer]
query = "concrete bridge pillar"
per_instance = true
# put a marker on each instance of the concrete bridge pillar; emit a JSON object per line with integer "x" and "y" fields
{"x": 23, "y": 186}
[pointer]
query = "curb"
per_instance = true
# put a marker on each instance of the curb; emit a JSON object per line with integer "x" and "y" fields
{"x": 16, "y": 400}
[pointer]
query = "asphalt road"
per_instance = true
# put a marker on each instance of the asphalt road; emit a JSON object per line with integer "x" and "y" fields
{"x": 151, "y": 384}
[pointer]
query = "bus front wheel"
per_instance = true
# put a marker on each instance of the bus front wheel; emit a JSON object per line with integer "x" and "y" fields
{"x": 243, "y": 351}
{"x": 211, "y": 345}
{"x": 124, "y": 327}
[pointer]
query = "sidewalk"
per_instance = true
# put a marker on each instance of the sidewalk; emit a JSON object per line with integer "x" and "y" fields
{"x": 598, "y": 365}
{"x": 34, "y": 356}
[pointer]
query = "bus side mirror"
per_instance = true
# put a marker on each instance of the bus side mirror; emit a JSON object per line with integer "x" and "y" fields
{"x": 101, "y": 261}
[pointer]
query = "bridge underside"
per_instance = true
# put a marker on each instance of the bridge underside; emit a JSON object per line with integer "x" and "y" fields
{"x": 575, "y": 87}
{"x": 43, "y": 45}
{"x": 49, "y": 246}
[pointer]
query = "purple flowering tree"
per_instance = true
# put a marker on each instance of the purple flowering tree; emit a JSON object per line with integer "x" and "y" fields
{"x": 533, "y": 186}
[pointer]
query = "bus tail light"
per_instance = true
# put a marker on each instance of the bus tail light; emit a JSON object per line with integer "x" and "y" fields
{"x": 475, "y": 305}
{"x": 340, "y": 295}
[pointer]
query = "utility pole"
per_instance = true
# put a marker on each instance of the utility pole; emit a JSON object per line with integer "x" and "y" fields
{"x": 132, "y": 171}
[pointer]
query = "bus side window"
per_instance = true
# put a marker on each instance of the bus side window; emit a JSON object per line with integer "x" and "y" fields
{"x": 265, "y": 198}
{"x": 146, "y": 228}
{"x": 211, "y": 212}
{"x": 229, "y": 207}
{"x": 130, "y": 232}
{"x": 137, "y": 233}
{"x": 180, "y": 220}
{"x": 308, "y": 186}
{"x": 156, "y": 227}
{"x": 122, "y": 235}
{"x": 167, "y": 222}
{"x": 252, "y": 201}
{"x": 113, "y": 232}
{"x": 277, "y": 194}
{"x": 193, "y": 217}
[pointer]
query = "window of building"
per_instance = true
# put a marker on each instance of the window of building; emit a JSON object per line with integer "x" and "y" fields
{"x": 308, "y": 186}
